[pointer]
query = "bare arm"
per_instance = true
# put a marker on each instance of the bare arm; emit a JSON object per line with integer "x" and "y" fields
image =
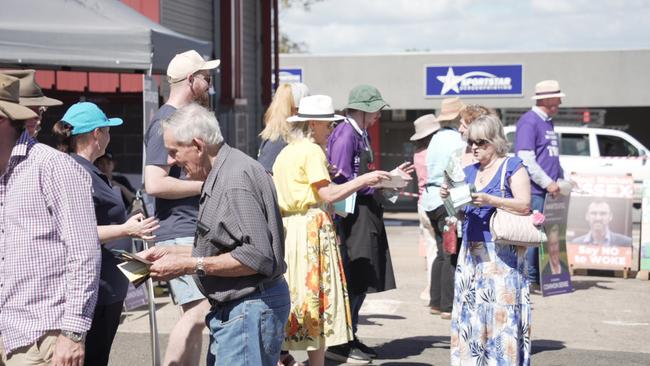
{"x": 330, "y": 192}
{"x": 159, "y": 184}
{"x": 135, "y": 226}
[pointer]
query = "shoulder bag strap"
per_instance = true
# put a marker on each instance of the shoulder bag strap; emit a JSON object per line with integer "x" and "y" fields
{"x": 503, "y": 178}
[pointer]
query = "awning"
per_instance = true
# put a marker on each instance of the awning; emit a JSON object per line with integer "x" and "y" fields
{"x": 87, "y": 35}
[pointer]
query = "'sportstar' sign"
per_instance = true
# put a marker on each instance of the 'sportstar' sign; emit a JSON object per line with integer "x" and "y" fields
{"x": 492, "y": 80}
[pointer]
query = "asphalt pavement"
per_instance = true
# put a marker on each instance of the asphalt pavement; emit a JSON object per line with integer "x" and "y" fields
{"x": 606, "y": 321}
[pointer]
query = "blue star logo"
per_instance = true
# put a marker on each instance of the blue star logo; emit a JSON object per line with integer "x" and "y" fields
{"x": 452, "y": 81}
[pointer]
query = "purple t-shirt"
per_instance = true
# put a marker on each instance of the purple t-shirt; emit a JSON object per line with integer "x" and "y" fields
{"x": 344, "y": 149}
{"x": 535, "y": 134}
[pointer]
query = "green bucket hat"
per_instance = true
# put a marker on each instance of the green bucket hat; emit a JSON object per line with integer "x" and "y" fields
{"x": 366, "y": 98}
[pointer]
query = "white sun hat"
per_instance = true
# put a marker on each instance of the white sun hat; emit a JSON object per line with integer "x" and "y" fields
{"x": 547, "y": 89}
{"x": 315, "y": 108}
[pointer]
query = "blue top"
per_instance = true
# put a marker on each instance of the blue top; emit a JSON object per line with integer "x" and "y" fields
{"x": 269, "y": 151}
{"x": 442, "y": 145}
{"x": 109, "y": 210}
{"x": 533, "y": 133}
{"x": 177, "y": 217}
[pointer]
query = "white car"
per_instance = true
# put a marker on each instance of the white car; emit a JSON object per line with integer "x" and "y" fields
{"x": 600, "y": 151}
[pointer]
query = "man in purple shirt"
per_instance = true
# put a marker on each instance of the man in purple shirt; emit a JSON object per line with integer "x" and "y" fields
{"x": 536, "y": 143}
{"x": 49, "y": 250}
{"x": 365, "y": 252}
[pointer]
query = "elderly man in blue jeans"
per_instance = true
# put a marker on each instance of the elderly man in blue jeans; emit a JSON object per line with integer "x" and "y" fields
{"x": 238, "y": 255}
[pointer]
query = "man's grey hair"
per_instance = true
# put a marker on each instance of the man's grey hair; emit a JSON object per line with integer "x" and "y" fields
{"x": 489, "y": 128}
{"x": 194, "y": 121}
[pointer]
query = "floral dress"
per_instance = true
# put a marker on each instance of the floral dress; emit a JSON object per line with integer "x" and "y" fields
{"x": 490, "y": 322}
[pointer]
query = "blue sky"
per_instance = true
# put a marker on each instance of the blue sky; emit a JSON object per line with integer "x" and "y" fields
{"x": 387, "y": 26}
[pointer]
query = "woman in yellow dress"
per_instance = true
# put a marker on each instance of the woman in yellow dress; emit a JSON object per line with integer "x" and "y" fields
{"x": 320, "y": 313}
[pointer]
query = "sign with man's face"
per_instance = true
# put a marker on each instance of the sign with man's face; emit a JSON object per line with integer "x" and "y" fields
{"x": 599, "y": 229}
{"x": 555, "y": 274}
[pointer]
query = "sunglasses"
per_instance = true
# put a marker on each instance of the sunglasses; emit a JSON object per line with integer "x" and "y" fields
{"x": 479, "y": 143}
{"x": 207, "y": 78}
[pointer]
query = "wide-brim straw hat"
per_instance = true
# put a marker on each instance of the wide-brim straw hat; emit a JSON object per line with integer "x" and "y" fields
{"x": 547, "y": 89}
{"x": 450, "y": 109}
{"x": 31, "y": 94}
{"x": 315, "y": 108}
{"x": 425, "y": 126}
{"x": 10, "y": 99}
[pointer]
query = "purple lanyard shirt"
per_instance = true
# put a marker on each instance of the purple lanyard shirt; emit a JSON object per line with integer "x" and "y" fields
{"x": 49, "y": 249}
{"x": 345, "y": 147}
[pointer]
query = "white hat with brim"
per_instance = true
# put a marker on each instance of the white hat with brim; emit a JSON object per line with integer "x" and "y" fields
{"x": 10, "y": 99}
{"x": 425, "y": 126}
{"x": 547, "y": 89}
{"x": 316, "y": 108}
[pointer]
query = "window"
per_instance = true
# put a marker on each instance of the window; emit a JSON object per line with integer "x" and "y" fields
{"x": 615, "y": 146}
{"x": 575, "y": 144}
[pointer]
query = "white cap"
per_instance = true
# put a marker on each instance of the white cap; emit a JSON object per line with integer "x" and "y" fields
{"x": 187, "y": 63}
{"x": 298, "y": 91}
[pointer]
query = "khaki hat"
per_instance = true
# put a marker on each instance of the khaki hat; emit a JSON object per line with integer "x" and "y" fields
{"x": 31, "y": 94}
{"x": 10, "y": 99}
{"x": 450, "y": 109}
{"x": 425, "y": 126}
{"x": 315, "y": 108}
{"x": 547, "y": 89}
{"x": 187, "y": 63}
{"x": 366, "y": 98}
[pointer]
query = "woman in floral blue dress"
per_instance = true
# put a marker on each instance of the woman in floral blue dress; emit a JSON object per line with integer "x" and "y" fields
{"x": 491, "y": 314}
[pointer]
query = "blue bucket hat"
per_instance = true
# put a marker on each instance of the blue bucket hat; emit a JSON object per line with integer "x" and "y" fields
{"x": 85, "y": 117}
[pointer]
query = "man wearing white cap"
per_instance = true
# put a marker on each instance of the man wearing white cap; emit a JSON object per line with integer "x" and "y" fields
{"x": 536, "y": 143}
{"x": 177, "y": 201}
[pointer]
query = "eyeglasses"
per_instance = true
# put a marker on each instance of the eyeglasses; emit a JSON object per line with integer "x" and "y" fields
{"x": 478, "y": 143}
{"x": 207, "y": 78}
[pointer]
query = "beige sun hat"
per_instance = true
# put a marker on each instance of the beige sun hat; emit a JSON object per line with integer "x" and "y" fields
{"x": 187, "y": 63}
{"x": 31, "y": 94}
{"x": 315, "y": 108}
{"x": 450, "y": 109}
{"x": 10, "y": 99}
{"x": 547, "y": 89}
{"x": 425, "y": 126}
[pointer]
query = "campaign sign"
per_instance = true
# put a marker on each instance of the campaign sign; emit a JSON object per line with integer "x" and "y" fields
{"x": 490, "y": 80}
{"x": 288, "y": 76}
{"x": 645, "y": 227}
{"x": 599, "y": 227}
{"x": 555, "y": 274}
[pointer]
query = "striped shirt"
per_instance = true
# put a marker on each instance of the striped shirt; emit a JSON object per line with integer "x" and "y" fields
{"x": 49, "y": 249}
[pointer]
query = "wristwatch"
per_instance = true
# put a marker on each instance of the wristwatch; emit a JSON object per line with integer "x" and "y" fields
{"x": 74, "y": 336}
{"x": 199, "y": 270}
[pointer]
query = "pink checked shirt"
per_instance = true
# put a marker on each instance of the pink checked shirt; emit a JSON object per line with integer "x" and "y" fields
{"x": 49, "y": 250}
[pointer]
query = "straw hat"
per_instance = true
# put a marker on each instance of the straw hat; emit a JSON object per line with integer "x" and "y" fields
{"x": 10, "y": 99}
{"x": 315, "y": 108}
{"x": 450, "y": 109}
{"x": 547, "y": 89}
{"x": 425, "y": 126}
{"x": 31, "y": 94}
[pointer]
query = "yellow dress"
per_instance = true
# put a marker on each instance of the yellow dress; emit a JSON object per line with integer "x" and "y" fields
{"x": 320, "y": 311}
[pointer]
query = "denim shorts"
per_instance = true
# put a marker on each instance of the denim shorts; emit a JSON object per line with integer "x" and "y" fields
{"x": 183, "y": 288}
{"x": 250, "y": 330}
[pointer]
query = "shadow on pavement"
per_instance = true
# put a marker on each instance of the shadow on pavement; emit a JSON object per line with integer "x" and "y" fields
{"x": 587, "y": 284}
{"x": 399, "y": 349}
{"x": 367, "y": 319}
{"x": 541, "y": 345}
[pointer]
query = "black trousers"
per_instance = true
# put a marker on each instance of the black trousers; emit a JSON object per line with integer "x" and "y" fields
{"x": 443, "y": 267}
{"x": 101, "y": 334}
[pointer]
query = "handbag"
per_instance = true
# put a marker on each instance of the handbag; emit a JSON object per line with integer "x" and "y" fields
{"x": 450, "y": 237}
{"x": 512, "y": 229}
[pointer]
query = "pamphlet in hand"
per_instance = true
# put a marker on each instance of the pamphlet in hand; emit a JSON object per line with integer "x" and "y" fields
{"x": 396, "y": 181}
{"x": 135, "y": 268}
{"x": 346, "y": 206}
{"x": 460, "y": 195}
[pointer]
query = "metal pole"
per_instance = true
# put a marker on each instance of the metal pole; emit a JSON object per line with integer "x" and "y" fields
{"x": 153, "y": 325}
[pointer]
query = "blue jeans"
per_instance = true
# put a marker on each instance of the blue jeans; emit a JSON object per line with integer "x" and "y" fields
{"x": 532, "y": 254}
{"x": 249, "y": 330}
